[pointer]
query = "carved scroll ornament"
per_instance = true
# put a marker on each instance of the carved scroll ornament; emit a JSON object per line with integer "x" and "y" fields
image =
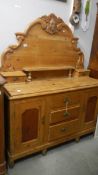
{"x": 53, "y": 24}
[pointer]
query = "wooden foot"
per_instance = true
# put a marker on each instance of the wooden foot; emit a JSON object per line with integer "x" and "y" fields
{"x": 77, "y": 139}
{"x": 11, "y": 163}
{"x": 44, "y": 152}
{"x": 3, "y": 168}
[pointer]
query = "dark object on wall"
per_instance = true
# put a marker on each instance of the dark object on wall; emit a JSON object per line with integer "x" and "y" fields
{"x": 87, "y": 9}
{"x": 62, "y": 0}
{"x": 93, "y": 64}
{"x": 74, "y": 19}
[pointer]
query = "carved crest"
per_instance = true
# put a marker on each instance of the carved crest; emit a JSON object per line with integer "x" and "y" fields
{"x": 52, "y": 24}
{"x": 48, "y": 32}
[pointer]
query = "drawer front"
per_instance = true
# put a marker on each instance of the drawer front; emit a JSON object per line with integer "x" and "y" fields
{"x": 63, "y": 115}
{"x": 63, "y": 130}
{"x": 61, "y": 99}
{"x": 15, "y": 79}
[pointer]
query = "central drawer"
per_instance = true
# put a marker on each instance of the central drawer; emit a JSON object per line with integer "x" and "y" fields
{"x": 62, "y": 130}
{"x": 60, "y": 115}
{"x": 61, "y": 99}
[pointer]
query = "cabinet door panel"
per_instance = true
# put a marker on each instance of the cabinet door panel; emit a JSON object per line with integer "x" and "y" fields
{"x": 91, "y": 108}
{"x": 28, "y": 124}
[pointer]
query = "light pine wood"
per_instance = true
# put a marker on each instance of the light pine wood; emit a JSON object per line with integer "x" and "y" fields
{"x": 14, "y": 73}
{"x": 81, "y": 72}
{"x": 62, "y": 130}
{"x": 60, "y": 115}
{"x": 47, "y": 42}
{"x": 50, "y": 86}
{"x": 52, "y": 128}
{"x": 32, "y": 69}
{"x": 53, "y": 99}
{"x": 14, "y": 76}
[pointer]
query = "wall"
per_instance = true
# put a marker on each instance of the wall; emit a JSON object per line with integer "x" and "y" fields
{"x": 85, "y": 38}
{"x": 16, "y": 14}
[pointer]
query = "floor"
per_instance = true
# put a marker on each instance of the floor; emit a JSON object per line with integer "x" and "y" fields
{"x": 68, "y": 159}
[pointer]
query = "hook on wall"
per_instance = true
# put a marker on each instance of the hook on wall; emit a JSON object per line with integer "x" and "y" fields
{"x": 74, "y": 19}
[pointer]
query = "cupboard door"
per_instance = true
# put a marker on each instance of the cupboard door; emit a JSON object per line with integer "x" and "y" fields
{"x": 91, "y": 108}
{"x": 28, "y": 116}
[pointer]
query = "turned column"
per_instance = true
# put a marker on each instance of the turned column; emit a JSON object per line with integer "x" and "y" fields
{"x": 2, "y": 144}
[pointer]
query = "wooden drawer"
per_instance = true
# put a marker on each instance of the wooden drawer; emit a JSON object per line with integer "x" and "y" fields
{"x": 63, "y": 115}
{"x": 14, "y": 76}
{"x": 60, "y": 100}
{"x": 15, "y": 79}
{"x": 62, "y": 130}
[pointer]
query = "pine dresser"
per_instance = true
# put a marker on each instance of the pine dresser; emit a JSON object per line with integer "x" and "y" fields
{"x": 49, "y": 97}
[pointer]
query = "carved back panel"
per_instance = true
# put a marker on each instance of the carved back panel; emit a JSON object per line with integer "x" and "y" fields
{"x": 47, "y": 42}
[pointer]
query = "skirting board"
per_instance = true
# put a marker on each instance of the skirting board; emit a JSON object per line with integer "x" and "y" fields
{"x": 96, "y": 131}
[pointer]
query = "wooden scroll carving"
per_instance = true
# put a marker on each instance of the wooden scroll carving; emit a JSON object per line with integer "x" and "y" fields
{"x": 52, "y": 24}
{"x": 47, "y": 42}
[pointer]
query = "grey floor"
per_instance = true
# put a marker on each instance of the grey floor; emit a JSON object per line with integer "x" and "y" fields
{"x": 68, "y": 159}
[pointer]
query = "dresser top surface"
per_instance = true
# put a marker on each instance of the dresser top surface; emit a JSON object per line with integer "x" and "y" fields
{"x": 49, "y": 86}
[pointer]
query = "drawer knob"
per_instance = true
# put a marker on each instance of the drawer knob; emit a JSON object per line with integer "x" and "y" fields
{"x": 66, "y": 100}
{"x": 15, "y": 78}
{"x": 66, "y": 114}
{"x": 63, "y": 129}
